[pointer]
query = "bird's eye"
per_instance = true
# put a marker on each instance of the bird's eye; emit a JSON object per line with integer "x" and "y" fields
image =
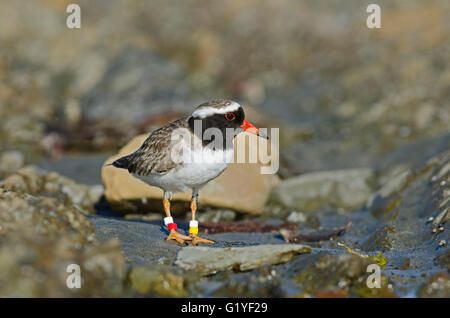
{"x": 230, "y": 116}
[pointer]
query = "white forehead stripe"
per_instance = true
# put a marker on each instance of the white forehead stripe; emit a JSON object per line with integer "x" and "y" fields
{"x": 208, "y": 111}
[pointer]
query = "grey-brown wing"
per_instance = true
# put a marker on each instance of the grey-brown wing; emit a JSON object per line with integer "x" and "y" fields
{"x": 154, "y": 156}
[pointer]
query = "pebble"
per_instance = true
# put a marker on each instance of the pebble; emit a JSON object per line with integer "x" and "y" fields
{"x": 297, "y": 217}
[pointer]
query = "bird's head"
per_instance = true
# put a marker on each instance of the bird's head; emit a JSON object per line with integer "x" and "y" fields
{"x": 223, "y": 114}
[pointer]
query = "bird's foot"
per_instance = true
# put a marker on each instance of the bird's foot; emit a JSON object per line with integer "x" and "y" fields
{"x": 180, "y": 238}
{"x": 195, "y": 240}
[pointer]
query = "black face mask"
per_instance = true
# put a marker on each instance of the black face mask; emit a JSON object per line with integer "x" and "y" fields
{"x": 228, "y": 124}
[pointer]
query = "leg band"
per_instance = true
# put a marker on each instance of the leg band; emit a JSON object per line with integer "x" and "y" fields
{"x": 172, "y": 226}
{"x": 193, "y": 227}
{"x": 193, "y": 230}
{"x": 168, "y": 220}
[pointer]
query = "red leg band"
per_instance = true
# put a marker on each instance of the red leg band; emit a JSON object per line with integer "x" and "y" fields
{"x": 172, "y": 226}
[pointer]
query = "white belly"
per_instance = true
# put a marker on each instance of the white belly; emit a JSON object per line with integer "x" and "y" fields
{"x": 191, "y": 175}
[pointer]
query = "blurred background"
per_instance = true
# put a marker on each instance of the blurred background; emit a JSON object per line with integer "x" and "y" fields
{"x": 345, "y": 97}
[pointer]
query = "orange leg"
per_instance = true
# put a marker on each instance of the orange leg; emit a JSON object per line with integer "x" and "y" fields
{"x": 173, "y": 234}
{"x": 193, "y": 225}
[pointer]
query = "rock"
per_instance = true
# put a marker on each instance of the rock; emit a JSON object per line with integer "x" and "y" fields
{"x": 437, "y": 286}
{"x": 40, "y": 215}
{"x": 323, "y": 273}
{"x": 241, "y": 187}
{"x": 264, "y": 282}
{"x": 37, "y": 267}
{"x": 391, "y": 183}
{"x": 11, "y": 161}
{"x": 404, "y": 214}
{"x": 207, "y": 260}
{"x": 33, "y": 180}
{"x": 157, "y": 282}
{"x": 442, "y": 258}
{"x": 144, "y": 242}
{"x": 297, "y": 217}
{"x": 40, "y": 237}
{"x": 346, "y": 189}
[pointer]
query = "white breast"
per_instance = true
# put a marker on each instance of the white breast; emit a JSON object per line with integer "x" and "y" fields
{"x": 194, "y": 169}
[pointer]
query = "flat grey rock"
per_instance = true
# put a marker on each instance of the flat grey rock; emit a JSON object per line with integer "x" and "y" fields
{"x": 207, "y": 260}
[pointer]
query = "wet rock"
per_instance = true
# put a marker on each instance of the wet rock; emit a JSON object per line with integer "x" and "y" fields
{"x": 241, "y": 187}
{"x": 346, "y": 189}
{"x": 437, "y": 286}
{"x": 35, "y": 181}
{"x": 325, "y": 273}
{"x": 156, "y": 281}
{"x": 383, "y": 238}
{"x": 292, "y": 236}
{"x": 404, "y": 214}
{"x": 391, "y": 183}
{"x": 144, "y": 242}
{"x": 442, "y": 258}
{"x": 262, "y": 282}
{"x": 244, "y": 227}
{"x": 40, "y": 237}
{"x": 208, "y": 261}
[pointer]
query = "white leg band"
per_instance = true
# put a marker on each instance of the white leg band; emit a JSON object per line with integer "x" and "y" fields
{"x": 193, "y": 223}
{"x": 168, "y": 220}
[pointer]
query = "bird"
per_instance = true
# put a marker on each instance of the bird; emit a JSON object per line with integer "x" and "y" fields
{"x": 186, "y": 154}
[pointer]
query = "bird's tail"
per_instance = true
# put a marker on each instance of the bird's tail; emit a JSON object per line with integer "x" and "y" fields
{"x": 123, "y": 162}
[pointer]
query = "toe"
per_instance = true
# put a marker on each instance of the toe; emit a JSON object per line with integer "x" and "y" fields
{"x": 180, "y": 238}
{"x": 197, "y": 240}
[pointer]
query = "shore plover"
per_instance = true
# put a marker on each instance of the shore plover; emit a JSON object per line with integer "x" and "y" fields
{"x": 188, "y": 153}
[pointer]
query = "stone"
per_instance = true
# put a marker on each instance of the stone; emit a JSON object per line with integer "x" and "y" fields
{"x": 412, "y": 215}
{"x": 11, "y": 161}
{"x": 33, "y": 180}
{"x": 208, "y": 260}
{"x": 391, "y": 183}
{"x": 346, "y": 189}
{"x": 40, "y": 237}
{"x": 157, "y": 282}
{"x": 295, "y": 216}
{"x": 322, "y": 273}
{"x": 41, "y": 215}
{"x": 438, "y": 286}
{"x": 241, "y": 187}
